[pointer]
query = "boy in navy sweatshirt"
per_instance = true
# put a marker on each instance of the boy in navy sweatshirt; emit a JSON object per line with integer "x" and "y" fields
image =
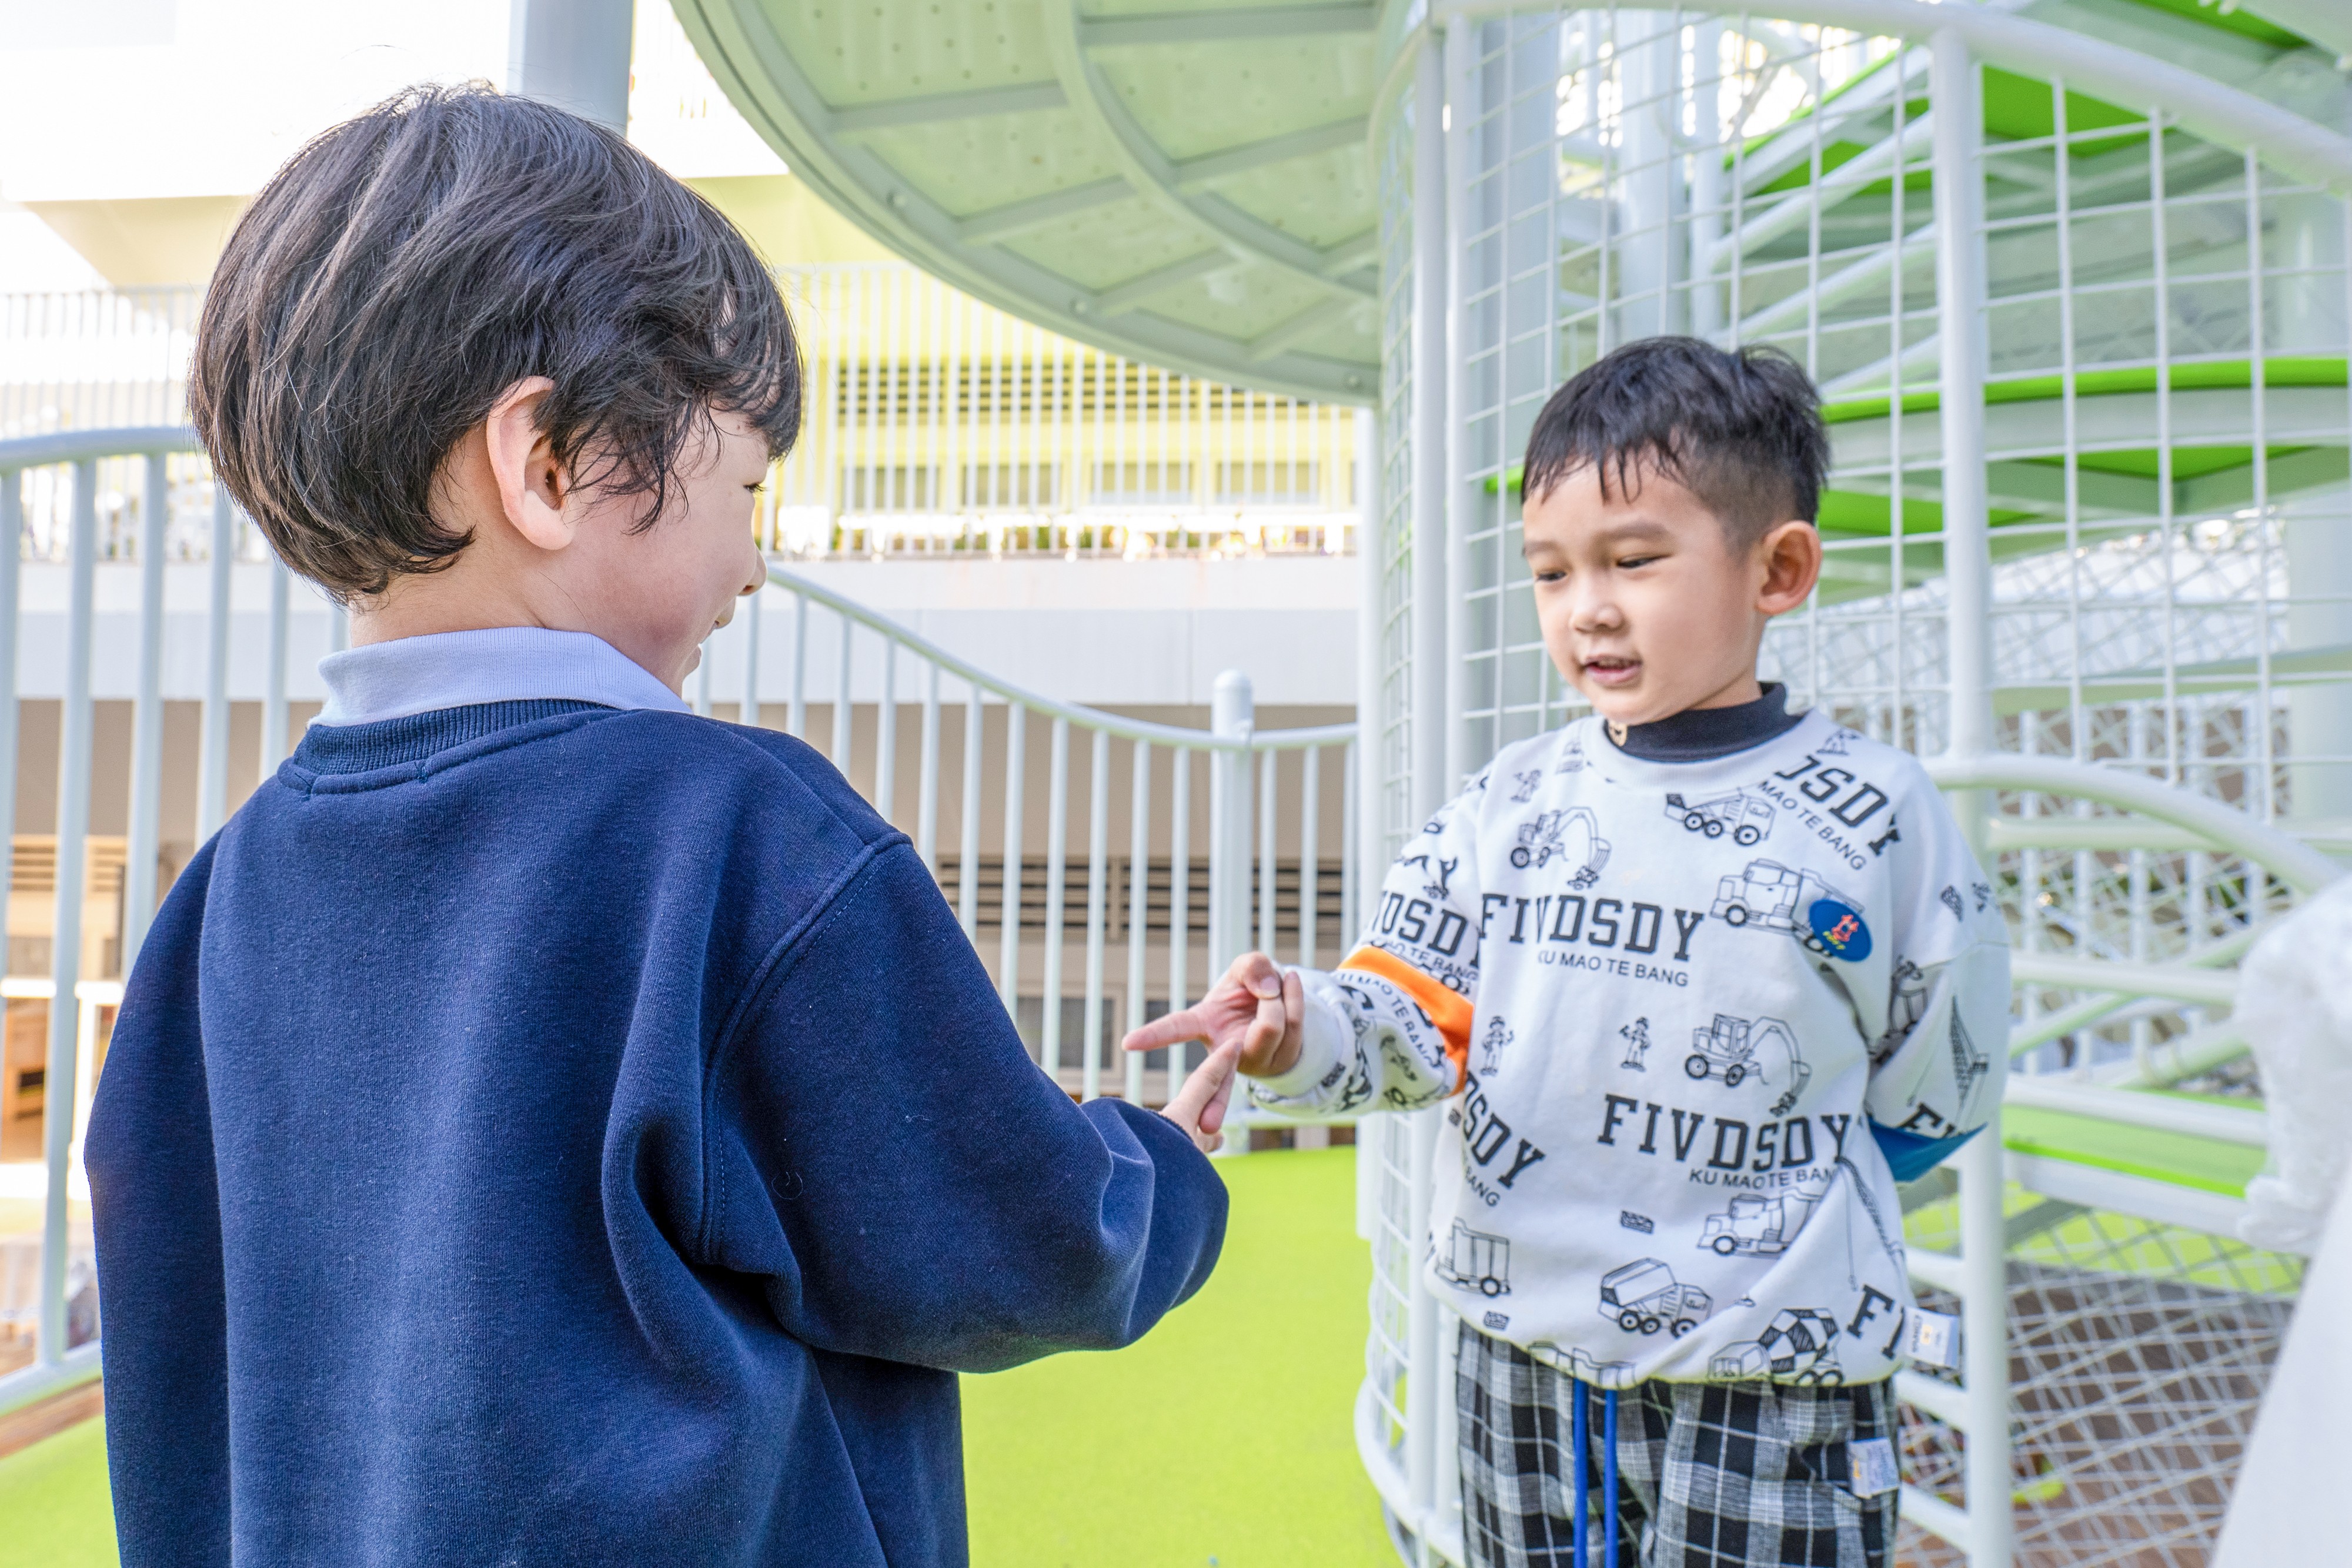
{"x": 544, "y": 1126}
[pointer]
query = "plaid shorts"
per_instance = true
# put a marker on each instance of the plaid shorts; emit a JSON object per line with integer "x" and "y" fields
{"x": 1710, "y": 1475}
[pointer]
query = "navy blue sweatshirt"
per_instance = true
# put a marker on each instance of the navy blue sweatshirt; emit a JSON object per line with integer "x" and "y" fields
{"x": 544, "y": 1133}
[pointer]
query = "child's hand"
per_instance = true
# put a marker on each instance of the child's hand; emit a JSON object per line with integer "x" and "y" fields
{"x": 1252, "y": 1019}
{"x": 1200, "y": 1106}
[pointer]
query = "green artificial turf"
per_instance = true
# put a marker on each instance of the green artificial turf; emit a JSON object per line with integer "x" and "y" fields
{"x": 54, "y": 1507}
{"x": 1223, "y": 1438}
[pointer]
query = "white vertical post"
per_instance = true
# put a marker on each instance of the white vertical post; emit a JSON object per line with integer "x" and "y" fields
{"x": 927, "y": 799}
{"x": 747, "y": 712}
{"x": 65, "y": 939}
{"x": 844, "y": 715}
{"x": 146, "y": 718}
{"x": 1429, "y": 723}
{"x": 1269, "y": 907}
{"x": 702, "y": 676}
{"x": 212, "y": 766}
{"x": 1954, "y": 90}
{"x": 1097, "y": 908}
{"x": 886, "y": 735}
{"x": 1351, "y": 830}
{"x": 1453, "y": 613}
{"x": 273, "y": 706}
{"x": 1430, "y": 686}
{"x": 1311, "y": 825}
{"x": 1232, "y": 717}
{"x": 975, "y": 733}
{"x": 11, "y": 555}
{"x": 1057, "y": 832}
{"x": 1179, "y": 900}
{"x": 796, "y": 714}
{"x": 1138, "y": 908}
{"x": 1008, "y": 964}
{"x": 1364, "y": 840}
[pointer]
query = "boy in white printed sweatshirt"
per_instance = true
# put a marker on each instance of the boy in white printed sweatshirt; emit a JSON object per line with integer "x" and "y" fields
{"x": 1702, "y": 978}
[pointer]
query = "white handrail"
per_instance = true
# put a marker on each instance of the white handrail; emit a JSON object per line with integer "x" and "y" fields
{"x": 1054, "y": 707}
{"x": 2289, "y": 859}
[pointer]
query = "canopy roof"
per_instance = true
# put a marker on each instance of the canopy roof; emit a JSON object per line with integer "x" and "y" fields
{"x": 1189, "y": 184}
{"x": 1189, "y": 181}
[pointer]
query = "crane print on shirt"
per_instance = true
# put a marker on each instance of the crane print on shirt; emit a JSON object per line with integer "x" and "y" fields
{"x": 1539, "y": 938}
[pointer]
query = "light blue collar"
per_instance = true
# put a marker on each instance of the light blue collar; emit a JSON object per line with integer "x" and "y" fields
{"x": 462, "y": 669}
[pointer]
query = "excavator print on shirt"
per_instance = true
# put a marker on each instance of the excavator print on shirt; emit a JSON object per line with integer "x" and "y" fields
{"x": 1736, "y": 1050}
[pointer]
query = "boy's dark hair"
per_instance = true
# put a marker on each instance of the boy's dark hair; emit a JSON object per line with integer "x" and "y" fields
{"x": 411, "y": 265}
{"x": 1741, "y": 429}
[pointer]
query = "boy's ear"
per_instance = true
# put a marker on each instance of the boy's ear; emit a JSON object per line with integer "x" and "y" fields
{"x": 534, "y": 489}
{"x": 1790, "y": 556}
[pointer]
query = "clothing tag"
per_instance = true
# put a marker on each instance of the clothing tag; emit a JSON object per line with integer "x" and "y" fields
{"x": 1872, "y": 1462}
{"x": 1934, "y": 1339}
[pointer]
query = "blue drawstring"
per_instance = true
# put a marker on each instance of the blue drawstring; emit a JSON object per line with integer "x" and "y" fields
{"x": 1582, "y": 1427}
{"x": 1608, "y": 1473}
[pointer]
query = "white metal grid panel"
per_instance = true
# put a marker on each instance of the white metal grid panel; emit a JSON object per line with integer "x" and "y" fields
{"x": 2166, "y": 430}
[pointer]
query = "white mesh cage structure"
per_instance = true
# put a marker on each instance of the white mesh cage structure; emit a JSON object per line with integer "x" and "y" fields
{"x": 2079, "y": 316}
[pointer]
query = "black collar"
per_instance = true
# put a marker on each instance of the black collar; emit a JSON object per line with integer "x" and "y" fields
{"x": 1703, "y": 734}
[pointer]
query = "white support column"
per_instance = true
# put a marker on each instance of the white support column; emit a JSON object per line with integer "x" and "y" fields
{"x": 573, "y": 54}
{"x": 1954, "y": 88}
{"x": 1960, "y": 291}
{"x": 1461, "y": 113}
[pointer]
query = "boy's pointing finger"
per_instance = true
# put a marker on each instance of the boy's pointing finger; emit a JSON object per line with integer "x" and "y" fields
{"x": 1167, "y": 1030}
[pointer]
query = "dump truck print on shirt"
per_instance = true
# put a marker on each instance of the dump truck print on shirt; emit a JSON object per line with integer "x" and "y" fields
{"x": 1803, "y": 976}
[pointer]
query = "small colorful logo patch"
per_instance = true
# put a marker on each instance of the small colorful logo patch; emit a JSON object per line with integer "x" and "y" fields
{"x": 1839, "y": 929}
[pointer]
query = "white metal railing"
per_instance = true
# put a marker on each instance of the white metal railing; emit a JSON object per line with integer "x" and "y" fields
{"x": 1102, "y": 901}
{"x": 1277, "y": 814}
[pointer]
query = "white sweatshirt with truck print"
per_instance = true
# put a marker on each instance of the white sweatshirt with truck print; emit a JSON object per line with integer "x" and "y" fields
{"x": 1668, "y": 999}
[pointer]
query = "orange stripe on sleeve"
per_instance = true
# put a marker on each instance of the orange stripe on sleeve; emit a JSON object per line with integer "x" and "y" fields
{"x": 1448, "y": 1009}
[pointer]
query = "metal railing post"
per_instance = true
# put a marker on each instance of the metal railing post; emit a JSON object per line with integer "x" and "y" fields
{"x": 1008, "y": 962}
{"x": 1429, "y": 724}
{"x": 747, "y": 712}
{"x": 212, "y": 765}
{"x": 146, "y": 718}
{"x": 273, "y": 706}
{"x": 1097, "y": 909}
{"x": 65, "y": 930}
{"x": 1139, "y": 910}
{"x": 1955, "y": 91}
{"x": 1232, "y": 716}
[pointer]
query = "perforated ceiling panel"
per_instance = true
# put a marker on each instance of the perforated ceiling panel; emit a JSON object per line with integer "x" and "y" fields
{"x": 1191, "y": 184}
